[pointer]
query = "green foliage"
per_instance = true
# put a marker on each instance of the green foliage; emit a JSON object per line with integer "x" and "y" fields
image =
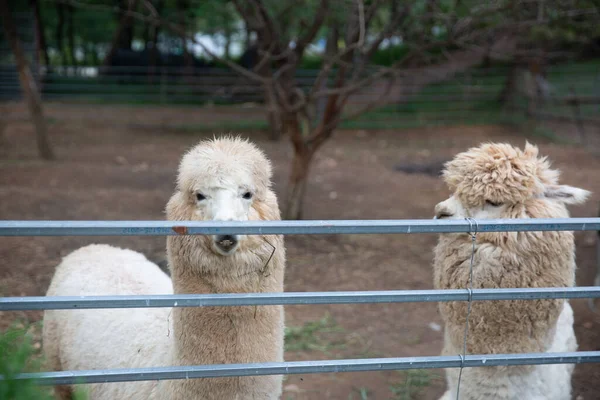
{"x": 16, "y": 349}
{"x": 215, "y": 17}
{"x": 565, "y": 25}
{"x": 311, "y": 61}
{"x": 19, "y": 356}
{"x": 93, "y": 31}
{"x": 389, "y": 55}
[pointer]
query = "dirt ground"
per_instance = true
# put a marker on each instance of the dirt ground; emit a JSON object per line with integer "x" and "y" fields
{"x": 120, "y": 163}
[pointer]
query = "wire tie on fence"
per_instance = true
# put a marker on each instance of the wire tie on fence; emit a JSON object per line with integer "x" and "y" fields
{"x": 473, "y": 234}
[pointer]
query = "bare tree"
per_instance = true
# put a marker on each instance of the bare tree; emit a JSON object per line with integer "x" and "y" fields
{"x": 124, "y": 33}
{"x": 182, "y": 9}
{"x": 347, "y": 83}
{"x": 28, "y": 83}
{"x": 71, "y": 34}
{"x": 42, "y": 48}
{"x": 153, "y": 31}
{"x": 60, "y": 9}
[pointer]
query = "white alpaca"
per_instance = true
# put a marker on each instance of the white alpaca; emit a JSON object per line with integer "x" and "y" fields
{"x": 500, "y": 181}
{"x": 223, "y": 179}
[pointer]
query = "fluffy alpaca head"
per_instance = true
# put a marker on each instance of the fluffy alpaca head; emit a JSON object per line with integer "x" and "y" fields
{"x": 500, "y": 181}
{"x": 223, "y": 179}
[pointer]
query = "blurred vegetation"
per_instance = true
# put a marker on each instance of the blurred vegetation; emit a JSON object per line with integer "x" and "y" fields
{"x": 564, "y": 26}
{"x": 469, "y": 98}
{"x": 20, "y": 354}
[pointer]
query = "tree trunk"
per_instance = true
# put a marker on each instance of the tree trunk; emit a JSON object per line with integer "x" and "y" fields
{"x": 60, "y": 9}
{"x": 297, "y": 183}
{"x": 95, "y": 60}
{"x": 124, "y": 33}
{"x": 71, "y": 35}
{"x": 509, "y": 90}
{"x": 227, "y": 34}
{"x": 247, "y": 36}
{"x": 146, "y": 35}
{"x": 188, "y": 60}
{"x": 271, "y": 107}
{"x": 42, "y": 47}
{"x": 153, "y": 52}
{"x": 273, "y": 116}
{"x": 126, "y": 37}
{"x": 331, "y": 49}
{"x": 28, "y": 84}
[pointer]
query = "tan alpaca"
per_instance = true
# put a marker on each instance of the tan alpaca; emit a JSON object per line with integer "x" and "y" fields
{"x": 501, "y": 181}
{"x": 222, "y": 179}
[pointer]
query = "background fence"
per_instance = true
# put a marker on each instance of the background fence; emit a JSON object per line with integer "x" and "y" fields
{"x": 154, "y": 228}
{"x": 567, "y": 93}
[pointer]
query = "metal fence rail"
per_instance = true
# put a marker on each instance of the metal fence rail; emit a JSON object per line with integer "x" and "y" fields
{"x": 291, "y": 298}
{"x": 308, "y": 367}
{"x": 164, "y": 228}
{"x": 311, "y": 227}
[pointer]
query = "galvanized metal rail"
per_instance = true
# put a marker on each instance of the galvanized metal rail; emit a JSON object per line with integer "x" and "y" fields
{"x": 164, "y": 228}
{"x": 307, "y": 367}
{"x": 291, "y": 298}
{"x": 314, "y": 227}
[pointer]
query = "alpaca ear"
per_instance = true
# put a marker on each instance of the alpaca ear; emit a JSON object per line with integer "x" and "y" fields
{"x": 566, "y": 194}
{"x": 531, "y": 150}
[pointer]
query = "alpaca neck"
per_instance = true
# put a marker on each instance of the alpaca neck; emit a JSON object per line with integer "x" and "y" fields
{"x": 503, "y": 327}
{"x": 228, "y": 334}
{"x": 223, "y": 335}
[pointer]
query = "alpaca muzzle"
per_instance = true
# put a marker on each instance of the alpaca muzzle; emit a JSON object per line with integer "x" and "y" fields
{"x": 226, "y": 244}
{"x": 441, "y": 212}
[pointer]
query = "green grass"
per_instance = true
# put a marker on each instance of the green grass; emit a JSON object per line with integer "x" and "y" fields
{"x": 18, "y": 355}
{"x": 313, "y": 336}
{"x": 412, "y": 384}
{"x": 361, "y": 393}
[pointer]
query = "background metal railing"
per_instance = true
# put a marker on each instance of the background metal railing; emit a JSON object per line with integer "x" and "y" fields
{"x": 161, "y": 228}
{"x": 472, "y": 97}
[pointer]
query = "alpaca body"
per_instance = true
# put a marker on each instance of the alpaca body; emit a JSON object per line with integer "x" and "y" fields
{"x": 223, "y": 179}
{"x": 108, "y": 338}
{"x": 538, "y": 382}
{"x": 139, "y": 338}
{"x": 499, "y": 181}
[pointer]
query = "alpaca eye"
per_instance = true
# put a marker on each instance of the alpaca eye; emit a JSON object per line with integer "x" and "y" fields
{"x": 200, "y": 197}
{"x": 493, "y": 204}
{"x": 247, "y": 195}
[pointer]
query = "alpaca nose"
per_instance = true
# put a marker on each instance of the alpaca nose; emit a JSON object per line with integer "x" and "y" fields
{"x": 226, "y": 243}
{"x": 442, "y": 212}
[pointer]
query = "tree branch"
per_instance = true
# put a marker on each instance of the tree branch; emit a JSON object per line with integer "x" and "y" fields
{"x": 373, "y": 104}
{"x": 361, "y": 23}
{"x": 309, "y": 36}
{"x": 389, "y": 29}
{"x": 266, "y": 21}
{"x": 250, "y": 23}
{"x": 372, "y": 10}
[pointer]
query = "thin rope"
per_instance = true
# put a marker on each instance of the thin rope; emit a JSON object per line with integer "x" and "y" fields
{"x": 470, "y": 291}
